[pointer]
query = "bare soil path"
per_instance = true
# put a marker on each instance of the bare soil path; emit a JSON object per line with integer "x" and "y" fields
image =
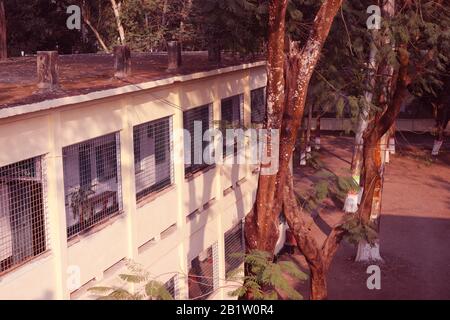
{"x": 415, "y": 223}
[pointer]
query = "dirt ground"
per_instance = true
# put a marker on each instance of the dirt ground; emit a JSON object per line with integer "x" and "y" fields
{"x": 415, "y": 223}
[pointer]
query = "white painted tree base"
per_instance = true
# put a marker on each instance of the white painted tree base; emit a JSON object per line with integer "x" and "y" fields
{"x": 436, "y": 147}
{"x": 351, "y": 203}
{"x": 303, "y": 159}
{"x": 360, "y": 194}
{"x": 386, "y": 156}
{"x": 368, "y": 253}
{"x": 317, "y": 143}
{"x": 308, "y": 152}
{"x": 392, "y": 145}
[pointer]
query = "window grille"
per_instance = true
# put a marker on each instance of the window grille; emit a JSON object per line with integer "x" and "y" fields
{"x": 231, "y": 117}
{"x": 172, "y": 287}
{"x": 91, "y": 182}
{"x": 153, "y": 156}
{"x": 258, "y": 105}
{"x": 234, "y": 247}
{"x": 23, "y": 205}
{"x": 193, "y": 148}
{"x": 203, "y": 274}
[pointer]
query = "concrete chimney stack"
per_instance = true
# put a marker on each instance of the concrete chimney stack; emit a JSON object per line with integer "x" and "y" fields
{"x": 47, "y": 70}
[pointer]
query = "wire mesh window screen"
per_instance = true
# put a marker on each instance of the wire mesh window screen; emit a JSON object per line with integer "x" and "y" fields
{"x": 23, "y": 220}
{"x": 258, "y": 105}
{"x": 203, "y": 274}
{"x": 172, "y": 287}
{"x": 194, "y": 147}
{"x": 232, "y": 110}
{"x": 234, "y": 248}
{"x": 153, "y": 156}
{"x": 91, "y": 182}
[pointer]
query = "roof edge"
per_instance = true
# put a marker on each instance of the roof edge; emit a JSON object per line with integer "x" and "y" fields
{"x": 101, "y": 94}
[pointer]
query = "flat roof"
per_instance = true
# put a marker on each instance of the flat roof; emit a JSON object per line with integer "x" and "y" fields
{"x": 83, "y": 75}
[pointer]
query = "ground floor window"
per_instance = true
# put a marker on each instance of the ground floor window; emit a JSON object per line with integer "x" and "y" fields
{"x": 171, "y": 286}
{"x": 203, "y": 274}
{"x": 23, "y": 223}
{"x": 234, "y": 248}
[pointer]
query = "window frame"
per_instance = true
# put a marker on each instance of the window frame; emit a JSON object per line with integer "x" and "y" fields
{"x": 193, "y": 169}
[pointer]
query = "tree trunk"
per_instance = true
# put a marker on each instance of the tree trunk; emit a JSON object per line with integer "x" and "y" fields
{"x": 352, "y": 200}
{"x": 317, "y": 133}
{"x": 372, "y": 190}
{"x": 116, "y": 6}
{"x": 318, "y": 258}
{"x": 97, "y": 34}
{"x": 308, "y": 133}
{"x": 261, "y": 227}
{"x": 3, "y": 43}
{"x": 164, "y": 13}
{"x": 318, "y": 285}
{"x": 369, "y": 211}
{"x": 285, "y": 105}
{"x": 442, "y": 117}
{"x": 391, "y": 141}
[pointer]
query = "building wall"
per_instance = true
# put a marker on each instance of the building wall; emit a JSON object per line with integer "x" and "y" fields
{"x": 158, "y": 233}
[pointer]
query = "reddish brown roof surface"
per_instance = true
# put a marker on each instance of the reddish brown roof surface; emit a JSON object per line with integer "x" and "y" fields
{"x": 84, "y": 73}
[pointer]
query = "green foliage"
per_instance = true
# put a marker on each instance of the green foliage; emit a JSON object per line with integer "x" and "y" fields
{"x": 268, "y": 278}
{"x": 151, "y": 289}
{"x": 357, "y": 231}
{"x": 236, "y": 25}
{"x": 327, "y": 184}
{"x": 81, "y": 208}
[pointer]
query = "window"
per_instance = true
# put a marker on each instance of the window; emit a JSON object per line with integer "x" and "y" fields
{"x": 258, "y": 105}
{"x": 231, "y": 117}
{"x": 22, "y": 212}
{"x": 194, "y": 147}
{"x": 91, "y": 182}
{"x": 106, "y": 161}
{"x": 203, "y": 274}
{"x": 171, "y": 287}
{"x": 153, "y": 156}
{"x": 234, "y": 247}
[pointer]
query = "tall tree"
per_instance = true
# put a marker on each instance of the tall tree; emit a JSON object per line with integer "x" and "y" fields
{"x": 117, "y": 9}
{"x": 3, "y": 44}
{"x": 418, "y": 30}
{"x": 87, "y": 19}
{"x": 290, "y": 68}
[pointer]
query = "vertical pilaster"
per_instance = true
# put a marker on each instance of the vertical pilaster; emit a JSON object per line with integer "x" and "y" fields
{"x": 128, "y": 181}
{"x": 56, "y": 209}
{"x": 178, "y": 171}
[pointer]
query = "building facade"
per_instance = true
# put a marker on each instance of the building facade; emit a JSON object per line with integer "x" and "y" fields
{"x": 89, "y": 183}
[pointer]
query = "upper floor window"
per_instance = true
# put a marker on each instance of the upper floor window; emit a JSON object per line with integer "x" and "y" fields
{"x": 23, "y": 221}
{"x": 196, "y": 121}
{"x": 153, "y": 156}
{"x": 232, "y": 110}
{"x": 258, "y": 105}
{"x": 91, "y": 182}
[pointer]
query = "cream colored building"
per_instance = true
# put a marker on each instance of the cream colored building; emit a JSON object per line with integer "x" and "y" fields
{"x": 86, "y": 184}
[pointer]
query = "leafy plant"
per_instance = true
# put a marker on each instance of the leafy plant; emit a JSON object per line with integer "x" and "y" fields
{"x": 149, "y": 287}
{"x": 78, "y": 202}
{"x": 267, "y": 277}
{"x": 357, "y": 231}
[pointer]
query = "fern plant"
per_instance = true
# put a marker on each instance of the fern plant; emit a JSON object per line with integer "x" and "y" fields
{"x": 267, "y": 278}
{"x": 150, "y": 288}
